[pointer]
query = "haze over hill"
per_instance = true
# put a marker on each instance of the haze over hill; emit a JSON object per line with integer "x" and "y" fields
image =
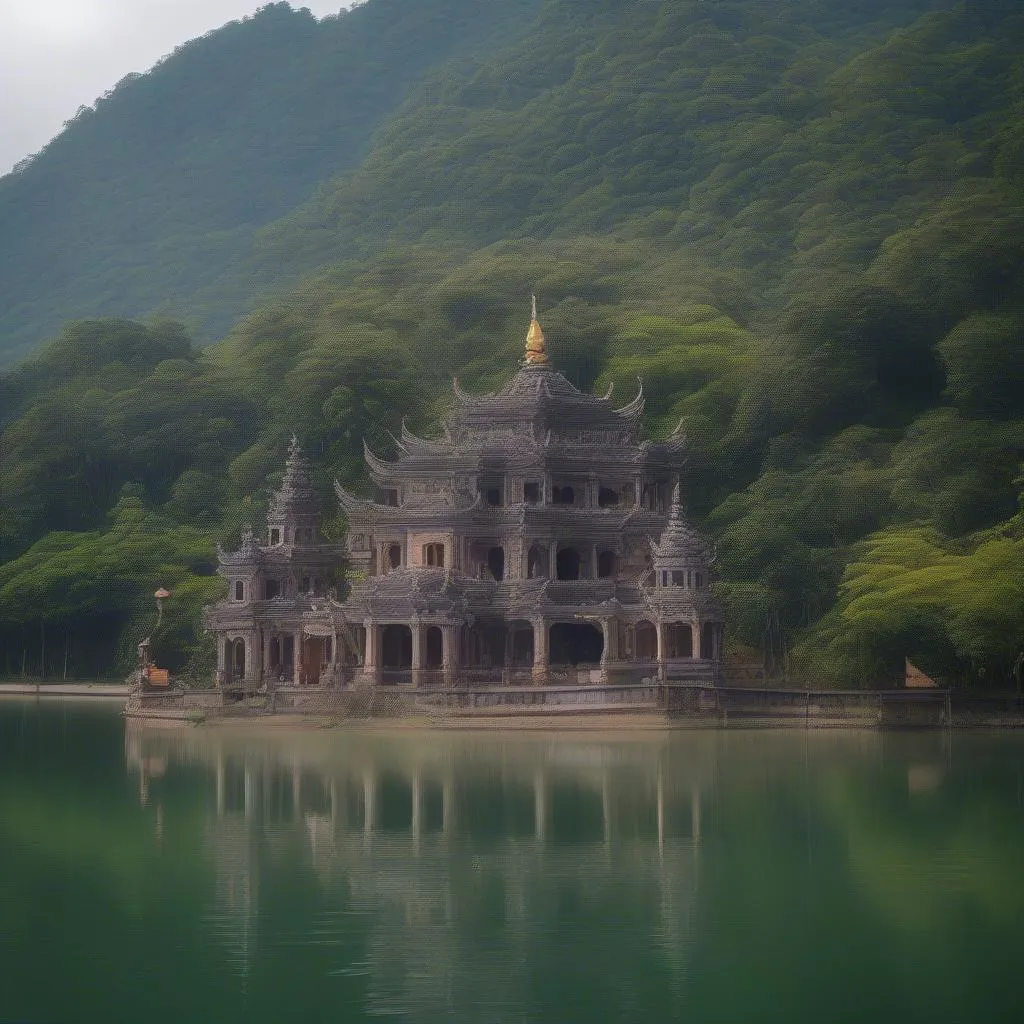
{"x": 800, "y": 222}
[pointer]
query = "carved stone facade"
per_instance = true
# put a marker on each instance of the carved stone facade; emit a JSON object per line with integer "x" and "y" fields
{"x": 537, "y": 539}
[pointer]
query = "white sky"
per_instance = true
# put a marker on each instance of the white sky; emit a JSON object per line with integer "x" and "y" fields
{"x": 56, "y": 55}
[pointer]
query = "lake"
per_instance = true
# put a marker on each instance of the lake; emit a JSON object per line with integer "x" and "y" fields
{"x": 324, "y": 875}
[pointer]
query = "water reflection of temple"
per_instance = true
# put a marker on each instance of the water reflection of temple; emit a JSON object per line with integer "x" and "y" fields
{"x": 425, "y": 837}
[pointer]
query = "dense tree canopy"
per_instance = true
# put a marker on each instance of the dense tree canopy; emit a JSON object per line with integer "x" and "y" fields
{"x": 800, "y": 224}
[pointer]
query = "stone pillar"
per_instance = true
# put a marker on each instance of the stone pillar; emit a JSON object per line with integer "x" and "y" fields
{"x": 593, "y": 561}
{"x": 449, "y": 653}
{"x": 606, "y": 655}
{"x": 696, "y": 628}
{"x": 371, "y": 663}
{"x": 553, "y": 560}
{"x": 222, "y": 656}
{"x": 417, "y": 652}
{"x": 660, "y": 630}
{"x": 265, "y": 666}
{"x": 540, "y": 650}
{"x": 296, "y": 657}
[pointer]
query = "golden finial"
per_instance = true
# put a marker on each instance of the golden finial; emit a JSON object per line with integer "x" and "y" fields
{"x": 535, "y": 352}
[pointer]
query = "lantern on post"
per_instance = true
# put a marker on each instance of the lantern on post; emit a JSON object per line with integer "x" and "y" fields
{"x": 160, "y": 596}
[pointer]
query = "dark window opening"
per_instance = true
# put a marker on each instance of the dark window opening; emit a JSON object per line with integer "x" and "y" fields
{"x": 394, "y": 556}
{"x": 575, "y": 643}
{"x": 275, "y": 536}
{"x": 396, "y": 647}
{"x": 433, "y": 554}
{"x": 562, "y": 496}
{"x": 678, "y": 578}
{"x": 531, "y": 493}
{"x": 493, "y": 496}
{"x": 606, "y": 497}
{"x": 305, "y": 585}
{"x": 568, "y": 564}
{"x": 271, "y": 589}
{"x": 239, "y": 590}
{"x": 434, "y": 654}
{"x": 537, "y": 563}
{"x": 606, "y": 564}
{"x": 700, "y": 580}
{"x": 389, "y": 496}
{"x": 496, "y": 563}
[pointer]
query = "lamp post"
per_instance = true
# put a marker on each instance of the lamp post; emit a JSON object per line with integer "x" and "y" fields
{"x": 160, "y": 596}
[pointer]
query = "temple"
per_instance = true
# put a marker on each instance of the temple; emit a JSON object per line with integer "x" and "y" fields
{"x": 537, "y": 540}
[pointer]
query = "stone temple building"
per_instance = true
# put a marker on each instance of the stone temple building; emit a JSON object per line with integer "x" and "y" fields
{"x": 537, "y": 540}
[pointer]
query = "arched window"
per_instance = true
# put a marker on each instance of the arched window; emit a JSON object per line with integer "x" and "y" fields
{"x": 496, "y": 563}
{"x": 394, "y": 556}
{"x": 433, "y": 554}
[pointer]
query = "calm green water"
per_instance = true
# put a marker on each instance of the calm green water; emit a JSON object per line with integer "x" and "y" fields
{"x": 206, "y": 875}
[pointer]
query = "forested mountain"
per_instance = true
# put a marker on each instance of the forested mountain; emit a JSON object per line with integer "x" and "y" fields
{"x": 155, "y": 191}
{"x": 799, "y": 222}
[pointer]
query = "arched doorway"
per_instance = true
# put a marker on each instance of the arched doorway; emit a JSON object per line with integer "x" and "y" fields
{"x": 576, "y": 643}
{"x": 238, "y": 659}
{"x": 537, "y": 563}
{"x": 496, "y": 563}
{"x": 396, "y": 647}
{"x": 645, "y": 641}
{"x": 678, "y": 640}
{"x": 434, "y": 654}
{"x": 568, "y": 564}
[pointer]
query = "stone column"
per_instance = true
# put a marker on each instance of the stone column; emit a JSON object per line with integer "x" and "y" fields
{"x": 371, "y": 664}
{"x": 265, "y": 667}
{"x": 660, "y": 630}
{"x": 607, "y": 626}
{"x": 296, "y": 657}
{"x": 417, "y": 652}
{"x": 540, "y": 650}
{"x": 222, "y": 656}
{"x": 696, "y": 627}
{"x": 449, "y": 654}
{"x": 553, "y": 560}
{"x": 593, "y": 561}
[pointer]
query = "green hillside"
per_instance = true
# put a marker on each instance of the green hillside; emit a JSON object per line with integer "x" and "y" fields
{"x": 800, "y": 223}
{"x": 157, "y": 189}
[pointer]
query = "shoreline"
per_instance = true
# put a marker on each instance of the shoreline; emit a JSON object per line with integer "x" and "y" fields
{"x": 64, "y": 689}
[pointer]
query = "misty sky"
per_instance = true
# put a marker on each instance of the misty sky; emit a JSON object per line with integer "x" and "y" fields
{"x": 56, "y": 55}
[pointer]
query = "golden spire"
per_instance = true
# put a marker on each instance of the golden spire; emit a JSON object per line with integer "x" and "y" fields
{"x": 535, "y": 352}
